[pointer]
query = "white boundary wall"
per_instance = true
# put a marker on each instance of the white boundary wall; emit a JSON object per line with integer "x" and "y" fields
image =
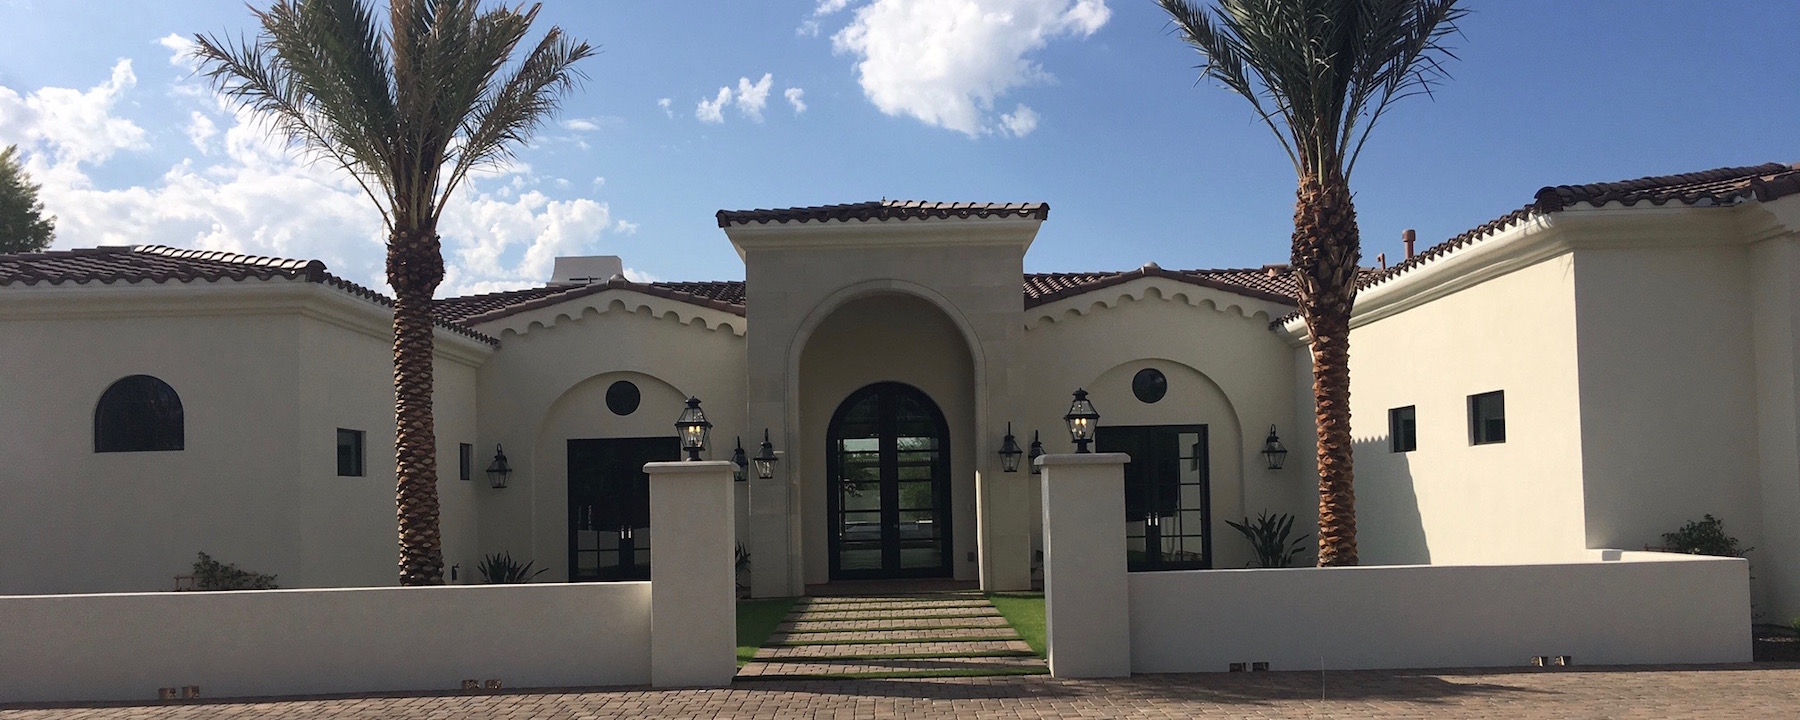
{"x": 288, "y": 642}
{"x": 1620, "y": 608}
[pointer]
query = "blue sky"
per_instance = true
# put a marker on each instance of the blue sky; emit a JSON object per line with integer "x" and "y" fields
{"x": 917, "y": 99}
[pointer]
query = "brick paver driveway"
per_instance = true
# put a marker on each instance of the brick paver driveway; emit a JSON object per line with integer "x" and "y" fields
{"x": 1724, "y": 693}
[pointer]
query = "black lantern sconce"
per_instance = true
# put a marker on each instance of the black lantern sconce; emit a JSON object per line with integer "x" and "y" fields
{"x": 1273, "y": 451}
{"x": 1009, "y": 451}
{"x": 693, "y": 428}
{"x": 1082, "y": 418}
{"x": 765, "y": 458}
{"x": 498, "y": 469}
{"x": 740, "y": 463}
{"x": 1037, "y": 451}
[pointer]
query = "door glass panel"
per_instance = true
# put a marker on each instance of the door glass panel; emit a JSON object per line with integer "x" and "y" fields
{"x": 609, "y": 506}
{"x": 1167, "y": 501}
{"x": 891, "y": 471}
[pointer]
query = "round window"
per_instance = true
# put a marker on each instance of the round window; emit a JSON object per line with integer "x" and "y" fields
{"x": 1149, "y": 385}
{"x": 622, "y": 398}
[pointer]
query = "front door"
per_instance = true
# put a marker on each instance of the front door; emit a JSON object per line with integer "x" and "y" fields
{"x": 888, "y": 486}
{"x": 609, "y": 506}
{"x": 1168, "y": 503}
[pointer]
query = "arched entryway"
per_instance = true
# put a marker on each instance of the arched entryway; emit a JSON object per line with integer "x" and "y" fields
{"x": 888, "y": 485}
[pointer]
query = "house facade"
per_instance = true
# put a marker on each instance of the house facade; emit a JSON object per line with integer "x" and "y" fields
{"x": 1592, "y": 370}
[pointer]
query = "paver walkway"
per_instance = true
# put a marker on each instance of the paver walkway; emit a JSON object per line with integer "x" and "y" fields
{"x": 892, "y": 636}
{"x": 1743, "y": 692}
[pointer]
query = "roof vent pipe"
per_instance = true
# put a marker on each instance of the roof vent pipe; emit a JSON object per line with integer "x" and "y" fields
{"x": 1408, "y": 237}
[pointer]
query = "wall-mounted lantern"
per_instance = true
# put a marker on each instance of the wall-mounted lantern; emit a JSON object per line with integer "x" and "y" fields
{"x": 1081, "y": 418}
{"x": 1273, "y": 451}
{"x": 693, "y": 428}
{"x": 498, "y": 469}
{"x": 740, "y": 463}
{"x": 1037, "y": 451}
{"x": 1009, "y": 451}
{"x": 765, "y": 458}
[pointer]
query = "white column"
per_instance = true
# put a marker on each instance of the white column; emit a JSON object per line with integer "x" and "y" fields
{"x": 1086, "y": 600}
{"x": 693, "y": 584}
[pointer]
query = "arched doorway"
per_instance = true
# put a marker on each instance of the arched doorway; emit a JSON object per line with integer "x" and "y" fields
{"x": 888, "y": 485}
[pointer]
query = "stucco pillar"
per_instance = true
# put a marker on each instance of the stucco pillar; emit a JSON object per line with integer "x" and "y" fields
{"x": 693, "y": 583}
{"x": 1086, "y": 601}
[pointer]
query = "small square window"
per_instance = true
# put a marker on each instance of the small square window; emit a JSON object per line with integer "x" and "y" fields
{"x": 465, "y": 461}
{"x": 350, "y": 453}
{"x": 1403, "y": 429}
{"x": 1487, "y": 418}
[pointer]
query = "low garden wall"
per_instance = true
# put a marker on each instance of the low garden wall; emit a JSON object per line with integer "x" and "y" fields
{"x": 1618, "y": 608}
{"x": 289, "y": 642}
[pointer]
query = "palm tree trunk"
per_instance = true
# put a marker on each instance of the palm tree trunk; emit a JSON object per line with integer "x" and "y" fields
{"x": 415, "y": 266}
{"x": 1327, "y": 248}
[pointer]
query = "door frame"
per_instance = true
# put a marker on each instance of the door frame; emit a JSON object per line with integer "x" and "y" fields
{"x": 889, "y": 480}
{"x": 673, "y": 444}
{"x": 1154, "y": 562}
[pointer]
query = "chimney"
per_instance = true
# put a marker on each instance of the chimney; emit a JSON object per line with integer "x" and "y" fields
{"x": 586, "y": 270}
{"x": 1382, "y": 258}
{"x": 1408, "y": 237}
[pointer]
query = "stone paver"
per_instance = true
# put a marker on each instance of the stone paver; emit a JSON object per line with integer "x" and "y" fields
{"x": 1743, "y": 692}
{"x": 893, "y": 636}
{"x": 918, "y": 649}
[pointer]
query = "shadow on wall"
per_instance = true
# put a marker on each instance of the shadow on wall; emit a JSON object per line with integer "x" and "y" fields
{"x": 1389, "y": 528}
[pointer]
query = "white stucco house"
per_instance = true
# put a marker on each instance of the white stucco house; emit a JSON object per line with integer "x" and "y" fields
{"x": 1592, "y": 370}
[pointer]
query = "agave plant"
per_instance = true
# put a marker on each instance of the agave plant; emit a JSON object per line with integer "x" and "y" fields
{"x": 1269, "y": 537}
{"x": 502, "y": 569}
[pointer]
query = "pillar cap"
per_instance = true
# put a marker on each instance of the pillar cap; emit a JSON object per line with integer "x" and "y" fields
{"x": 1084, "y": 459}
{"x": 700, "y": 467}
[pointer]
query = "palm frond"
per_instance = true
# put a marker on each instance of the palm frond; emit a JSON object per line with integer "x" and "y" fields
{"x": 1320, "y": 73}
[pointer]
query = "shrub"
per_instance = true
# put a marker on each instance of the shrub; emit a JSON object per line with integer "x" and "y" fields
{"x": 210, "y": 574}
{"x": 1269, "y": 537}
{"x": 1704, "y": 537}
{"x": 502, "y": 569}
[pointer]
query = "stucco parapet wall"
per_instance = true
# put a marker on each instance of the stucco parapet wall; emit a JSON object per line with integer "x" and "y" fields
{"x": 1011, "y": 231}
{"x": 274, "y": 296}
{"x": 572, "y": 307}
{"x": 1534, "y": 238}
{"x": 1152, "y": 287}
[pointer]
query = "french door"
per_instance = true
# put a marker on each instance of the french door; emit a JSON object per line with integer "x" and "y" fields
{"x": 609, "y": 506}
{"x": 1168, "y": 498}
{"x": 888, "y": 485}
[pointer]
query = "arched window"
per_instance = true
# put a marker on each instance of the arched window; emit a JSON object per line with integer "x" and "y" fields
{"x": 138, "y": 413}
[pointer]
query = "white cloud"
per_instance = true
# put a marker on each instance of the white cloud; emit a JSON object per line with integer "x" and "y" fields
{"x": 248, "y": 193}
{"x": 581, "y": 125}
{"x": 827, "y": 7}
{"x": 709, "y": 110}
{"x": 639, "y": 276}
{"x": 624, "y": 227}
{"x": 808, "y": 28}
{"x": 793, "y": 96}
{"x": 200, "y": 129}
{"x": 1020, "y": 122}
{"x": 664, "y": 104}
{"x": 946, "y": 62}
{"x": 181, "y": 51}
{"x": 75, "y": 126}
{"x": 752, "y": 98}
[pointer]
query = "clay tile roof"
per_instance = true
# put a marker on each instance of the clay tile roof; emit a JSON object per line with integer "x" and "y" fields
{"x": 1719, "y": 187}
{"x": 161, "y": 264}
{"x": 1274, "y": 283}
{"x": 884, "y": 210}
{"x": 723, "y": 295}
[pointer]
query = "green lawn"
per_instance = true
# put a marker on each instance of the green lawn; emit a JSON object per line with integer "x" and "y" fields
{"x": 1025, "y": 610}
{"x": 756, "y": 620}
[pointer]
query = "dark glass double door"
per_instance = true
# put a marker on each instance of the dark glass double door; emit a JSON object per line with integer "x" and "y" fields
{"x": 888, "y": 486}
{"x": 1168, "y": 499}
{"x": 609, "y": 506}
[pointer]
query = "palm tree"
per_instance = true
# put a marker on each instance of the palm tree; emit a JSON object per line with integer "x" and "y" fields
{"x": 408, "y": 111}
{"x": 1320, "y": 74}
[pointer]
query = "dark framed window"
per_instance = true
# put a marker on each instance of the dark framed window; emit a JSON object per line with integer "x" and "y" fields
{"x": 1149, "y": 385}
{"x": 1403, "y": 429}
{"x": 138, "y": 413}
{"x": 1168, "y": 495}
{"x": 465, "y": 461}
{"x": 350, "y": 453}
{"x": 1487, "y": 418}
{"x": 622, "y": 397}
